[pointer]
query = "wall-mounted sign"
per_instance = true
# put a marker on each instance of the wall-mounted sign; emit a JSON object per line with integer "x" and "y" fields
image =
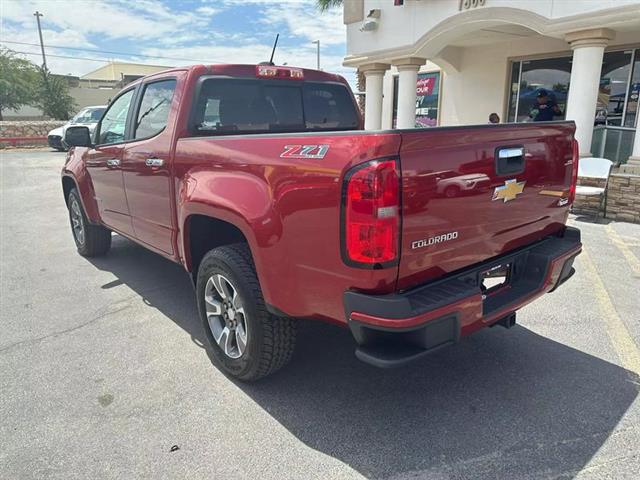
{"x": 425, "y": 85}
{"x": 427, "y": 89}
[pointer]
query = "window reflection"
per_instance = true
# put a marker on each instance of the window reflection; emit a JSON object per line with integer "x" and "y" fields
{"x": 534, "y": 76}
{"x": 618, "y": 93}
{"x": 613, "y": 88}
{"x": 634, "y": 92}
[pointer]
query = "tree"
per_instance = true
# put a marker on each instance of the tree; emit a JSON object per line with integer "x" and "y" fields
{"x": 18, "y": 81}
{"x": 324, "y": 5}
{"x": 53, "y": 96}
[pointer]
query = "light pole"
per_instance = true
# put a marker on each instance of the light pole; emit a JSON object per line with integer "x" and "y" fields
{"x": 317, "y": 42}
{"x": 44, "y": 59}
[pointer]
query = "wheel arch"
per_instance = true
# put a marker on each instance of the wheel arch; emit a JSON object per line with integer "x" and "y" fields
{"x": 70, "y": 182}
{"x": 203, "y": 232}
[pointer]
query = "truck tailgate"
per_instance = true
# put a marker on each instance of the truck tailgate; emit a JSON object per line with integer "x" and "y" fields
{"x": 472, "y": 193}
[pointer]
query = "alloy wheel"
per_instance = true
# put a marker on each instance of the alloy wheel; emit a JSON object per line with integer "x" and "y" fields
{"x": 225, "y": 315}
{"x": 77, "y": 222}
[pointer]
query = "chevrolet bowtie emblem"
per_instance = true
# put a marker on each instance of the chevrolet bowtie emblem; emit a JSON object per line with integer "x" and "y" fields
{"x": 509, "y": 191}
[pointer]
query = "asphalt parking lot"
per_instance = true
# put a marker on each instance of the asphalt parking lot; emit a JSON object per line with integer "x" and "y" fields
{"x": 103, "y": 371}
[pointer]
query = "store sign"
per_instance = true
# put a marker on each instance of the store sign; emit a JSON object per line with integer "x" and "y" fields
{"x": 427, "y": 99}
{"x": 425, "y": 86}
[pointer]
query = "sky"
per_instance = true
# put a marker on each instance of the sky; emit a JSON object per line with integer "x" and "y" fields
{"x": 174, "y": 32}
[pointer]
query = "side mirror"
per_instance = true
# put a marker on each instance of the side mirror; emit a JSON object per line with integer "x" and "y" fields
{"x": 77, "y": 137}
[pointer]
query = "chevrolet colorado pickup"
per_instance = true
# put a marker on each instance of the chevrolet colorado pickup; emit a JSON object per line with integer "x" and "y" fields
{"x": 260, "y": 181}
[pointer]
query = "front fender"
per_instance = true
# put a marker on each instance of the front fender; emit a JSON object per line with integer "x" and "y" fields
{"x": 75, "y": 170}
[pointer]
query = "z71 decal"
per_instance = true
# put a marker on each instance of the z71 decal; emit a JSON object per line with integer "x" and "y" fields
{"x": 304, "y": 151}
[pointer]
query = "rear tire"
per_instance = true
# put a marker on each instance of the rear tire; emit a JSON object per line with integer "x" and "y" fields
{"x": 91, "y": 240}
{"x": 246, "y": 341}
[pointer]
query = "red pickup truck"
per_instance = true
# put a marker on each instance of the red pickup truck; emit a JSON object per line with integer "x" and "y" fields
{"x": 260, "y": 181}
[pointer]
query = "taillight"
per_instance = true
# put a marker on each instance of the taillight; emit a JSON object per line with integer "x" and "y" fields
{"x": 574, "y": 172}
{"x": 371, "y": 214}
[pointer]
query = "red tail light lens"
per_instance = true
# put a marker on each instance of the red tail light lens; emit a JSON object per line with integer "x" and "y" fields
{"x": 574, "y": 172}
{"x": 371, "y": 214}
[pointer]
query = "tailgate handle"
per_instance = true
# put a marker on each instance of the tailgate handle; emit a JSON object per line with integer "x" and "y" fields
{"x": 510, "y": 160}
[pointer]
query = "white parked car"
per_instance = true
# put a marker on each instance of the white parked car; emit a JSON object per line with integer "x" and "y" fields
{"x": 87, "y": 117}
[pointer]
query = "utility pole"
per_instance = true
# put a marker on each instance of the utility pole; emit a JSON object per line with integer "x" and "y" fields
{"x": 44, "y": 58}
{"x": 317, "y": 42}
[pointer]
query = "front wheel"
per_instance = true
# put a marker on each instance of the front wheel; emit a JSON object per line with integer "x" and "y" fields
{"x": 91, "y": 240}
{"x": 452, "y": 191}
{"x": 247, "y": 342}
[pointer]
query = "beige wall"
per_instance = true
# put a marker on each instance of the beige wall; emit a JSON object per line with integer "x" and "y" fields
{"x": 86, "y": 97}
{"x": 83, "y": 97}
{"x": 115, "y": 71}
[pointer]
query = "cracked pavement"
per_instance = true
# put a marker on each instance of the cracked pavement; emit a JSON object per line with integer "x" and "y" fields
{"x": 103, "y": 372}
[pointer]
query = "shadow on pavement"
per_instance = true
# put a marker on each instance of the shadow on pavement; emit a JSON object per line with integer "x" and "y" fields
{"x": 592, "y": 219}
{"x": 501, "y": 404}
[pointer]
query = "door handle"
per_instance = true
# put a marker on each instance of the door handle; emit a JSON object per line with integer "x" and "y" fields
{"x": 154, "y": 162}
{"x": 113, "y": 162}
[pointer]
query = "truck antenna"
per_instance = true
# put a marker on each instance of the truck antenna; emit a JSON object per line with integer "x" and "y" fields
{"x": 275, "y": 44}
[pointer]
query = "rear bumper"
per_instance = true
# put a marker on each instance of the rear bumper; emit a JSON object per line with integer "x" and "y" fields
{"x": 394, "y": 329}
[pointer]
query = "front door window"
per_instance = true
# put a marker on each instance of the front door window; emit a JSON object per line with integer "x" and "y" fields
{"x": 112, "y": 127}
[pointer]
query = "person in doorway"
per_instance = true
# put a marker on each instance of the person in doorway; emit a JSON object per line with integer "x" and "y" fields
{"x": 544, "y": 108}
{"x": 494, "y": 118}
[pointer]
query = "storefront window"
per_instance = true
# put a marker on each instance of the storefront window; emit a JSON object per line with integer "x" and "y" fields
{"x": 634, "y": 92}
{"x": 617, "y": 102}
{"x": 612, "y": 94}
{"x": 428, "y": 92}
{"x": 530, "y": 78}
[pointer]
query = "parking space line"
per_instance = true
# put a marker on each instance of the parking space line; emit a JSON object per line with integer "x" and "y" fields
{"x": 631, "y": 259}
{"x": 621, "y": 339}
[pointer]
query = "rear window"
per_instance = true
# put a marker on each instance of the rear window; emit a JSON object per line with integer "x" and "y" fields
{"x": 232, "y": 106}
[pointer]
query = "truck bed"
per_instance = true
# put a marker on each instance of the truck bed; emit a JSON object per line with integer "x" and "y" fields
{"x": 292, "y": 216}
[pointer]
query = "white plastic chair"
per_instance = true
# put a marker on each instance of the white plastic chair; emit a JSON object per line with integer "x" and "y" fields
{"x": 592, "y": 167}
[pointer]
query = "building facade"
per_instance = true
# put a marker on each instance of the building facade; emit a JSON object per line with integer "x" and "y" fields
{"x": 454, "y": 62}
{"x": 121, "y": 72}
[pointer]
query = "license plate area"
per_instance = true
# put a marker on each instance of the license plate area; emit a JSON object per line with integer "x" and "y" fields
{"x": 495, "y": 278}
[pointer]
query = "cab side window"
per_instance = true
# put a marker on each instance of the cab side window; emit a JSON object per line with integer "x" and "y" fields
{"x": 154, "y": 108}
{"x": 112, "y": 127}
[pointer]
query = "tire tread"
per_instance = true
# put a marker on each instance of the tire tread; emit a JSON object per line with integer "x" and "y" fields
{"x": 279, "y": 333}
{"x": 97, "y": 238}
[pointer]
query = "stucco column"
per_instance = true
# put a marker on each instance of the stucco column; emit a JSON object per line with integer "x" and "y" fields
{"x": 374, "y": 74}
{"x": 407, "y": 80}
{"x": 588, "y": 49}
